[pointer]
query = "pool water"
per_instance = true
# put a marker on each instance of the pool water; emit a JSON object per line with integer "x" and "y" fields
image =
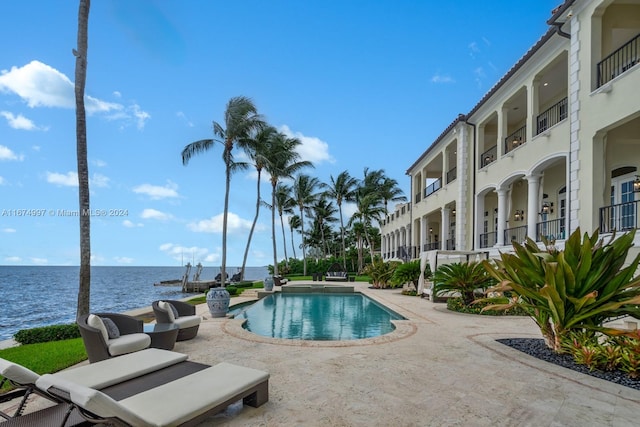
{"x": 319, "y": 317}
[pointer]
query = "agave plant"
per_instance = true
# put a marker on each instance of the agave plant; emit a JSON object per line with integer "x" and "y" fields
{"x": 464, "y": 278}
{"x": 576, "y": 288}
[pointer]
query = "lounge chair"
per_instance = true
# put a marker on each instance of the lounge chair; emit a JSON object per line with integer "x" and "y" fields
{"x": 180, "y": 313}
{"x": 185, "y": 401}
{"x": 130, "y": 378}
{"x": 98, "y": 375}
{"x": 102, "y": 342}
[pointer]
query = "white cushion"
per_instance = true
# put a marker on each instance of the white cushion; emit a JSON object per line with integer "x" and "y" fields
{"x": 17, "y": 373}
{"x": 128, "y": 343}
{"x": 96, "y": 322}
{"x": 187, "y": 321}
{"x": 118, "y": 369}
{"x": 165, "y": 306}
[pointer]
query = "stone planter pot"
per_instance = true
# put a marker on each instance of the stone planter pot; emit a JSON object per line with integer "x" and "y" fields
{"x": 268, "y": 283}
{"x": 218, "y": 302}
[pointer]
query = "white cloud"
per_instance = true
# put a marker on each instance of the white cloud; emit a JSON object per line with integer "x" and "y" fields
{"x": 439, "y": 78}
{"x": 123, "y": 260}
{"x": 156, "y": 192}
{"x": 13, "y": 259}
{"x": 41, "y": 85}
{"x": 180, "y": 253}
{"x": 117, "y": 94}
{"x": 99, "y": 163}
{"x": 8, "y": 230}
{"x": 155, "y": 214}
{"x": 214, "y": 224}
{"x": 2, "y": 181}
{"x": 19, "y": 121}
{"x": 39, "y": 260}
{"x": 7, "y": 154}
{"x": 131, "y": 224}
{"x": 70, "y": 179}
{"x": 312, "y": 148}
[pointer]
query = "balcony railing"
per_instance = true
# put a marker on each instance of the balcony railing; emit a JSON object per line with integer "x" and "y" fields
{"x": 488, "y": 156}
{"x": 624, "y": 216}
{"x": 516, "y": 139}
{"x": 551, "y": 230}
{"x": 619, "y": 61}
{"x": 515, "y": 234}
{"x": 488, "y": 240}
{"x": 451, "y": 244}
{"x": 433, "y": 187}
{"x": 552, "y": 116}
{"x": 431, "y": 246}
{"x": 451, "y": 175}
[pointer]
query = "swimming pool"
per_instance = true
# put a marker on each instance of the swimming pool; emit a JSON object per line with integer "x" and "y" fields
{"x": 319, "y": 317}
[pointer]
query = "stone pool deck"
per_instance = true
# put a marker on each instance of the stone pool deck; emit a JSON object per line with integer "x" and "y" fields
{"x": 437, "y": 369}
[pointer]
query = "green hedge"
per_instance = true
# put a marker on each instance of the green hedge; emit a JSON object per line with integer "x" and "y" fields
{"x": 47, "y": 334}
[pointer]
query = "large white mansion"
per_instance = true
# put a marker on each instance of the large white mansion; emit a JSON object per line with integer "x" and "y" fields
{"x": 553, "y": 146}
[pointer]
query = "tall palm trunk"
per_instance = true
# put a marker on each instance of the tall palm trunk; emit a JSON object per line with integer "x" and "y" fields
{"x": 293, "y": 246}
{"x": 227, "y": 160}
{"x": 304, "y": 252}
{"x": 273, "y": 229}
{"x": 253, "y": 226}
{"x": 344, "y": 247}
{"x": 84, "y": 288}
{"x": 284, "y": 242}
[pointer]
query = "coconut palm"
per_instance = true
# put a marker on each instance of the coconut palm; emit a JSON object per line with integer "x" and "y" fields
{"x": 368, "y": 210}
{"x": 283, "y": 162}
{"x": 342, "y": 189}
{"x": 84, "y": 287}
{"x": 323, "y": 212}
{"x": 304, "y": 193}
{"x": 390, "y": 192}
{"x": 240, "y": 119}
{"x": 284, "y": 204}
{"x": 256, "y": 146}
{"x": 294, "y": 224}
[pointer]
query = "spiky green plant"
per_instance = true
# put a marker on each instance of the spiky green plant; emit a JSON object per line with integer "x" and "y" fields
{"x": 576, "y": 288}
{"x": 464, "y": 278}
{"x": 380, "y": 272}
{"x": 409, "y": 272}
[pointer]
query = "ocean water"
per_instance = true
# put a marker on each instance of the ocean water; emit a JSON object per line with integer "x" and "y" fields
{"x": 35, "y": 296}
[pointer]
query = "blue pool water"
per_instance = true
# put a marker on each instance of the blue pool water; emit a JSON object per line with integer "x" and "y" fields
{"x": 319, "y": 317}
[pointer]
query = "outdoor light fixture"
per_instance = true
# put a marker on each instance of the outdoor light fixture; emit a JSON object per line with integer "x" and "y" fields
{"x": 519, "y": 215}
{"x": 547, "y": 208}
{"x": 636, "y": 184}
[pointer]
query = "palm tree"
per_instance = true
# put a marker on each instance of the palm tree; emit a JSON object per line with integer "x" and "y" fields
{"x": 342, "y": 188}
{"x": 368, "y": 209}
{"x": 284, "y": 204}
{"x": 323, "y": 212}
{"x": 294, "y": 224}
{"x": 240, "y": 119}
{"x": 84, "y": 287}
{"x": 255, "y": 147}
{"x": 304, "y": 188}
{"x": 283, "y": 162}
{"x": 390, "y": 192}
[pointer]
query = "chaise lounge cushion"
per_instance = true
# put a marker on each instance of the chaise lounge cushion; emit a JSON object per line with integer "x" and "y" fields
{"x": 170, "y": 404}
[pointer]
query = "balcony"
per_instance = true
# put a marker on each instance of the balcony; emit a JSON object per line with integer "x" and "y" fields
{"x": 488, "y": 240}
{"x": 515, "y": 234}
{"x": 433, "y": 187}
{"x": 488, "y": 156}
{"x": 552, "y": 116}
{"x": 451, "y": 175}
{"x": 516, "y": 139}
{"x": 624, "y": 216}
{"x": 431, "y": 246}
{"x": 619, "y": 61}
{"x": 551, "y": 230}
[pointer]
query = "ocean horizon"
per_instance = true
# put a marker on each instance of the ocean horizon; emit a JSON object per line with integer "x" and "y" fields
{"x": 35, "y": 296}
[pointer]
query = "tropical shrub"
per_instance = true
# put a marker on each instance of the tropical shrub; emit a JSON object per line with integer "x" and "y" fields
{"x": 456, "y": 304}
{"x": 576, "y": 288}
{"x": 409, "y": 272}
{"x": 464, "y": 278}
{"x": 380, "y": 272}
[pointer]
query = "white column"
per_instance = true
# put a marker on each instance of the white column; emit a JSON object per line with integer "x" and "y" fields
{"x": 425, "y": 230}
{"x": 445, "y": 225}
{"x": 502, "y": 215}
{"x": 532, "y": 204}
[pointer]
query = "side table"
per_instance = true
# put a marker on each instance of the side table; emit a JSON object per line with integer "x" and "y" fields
{"x": 163, "y": 335}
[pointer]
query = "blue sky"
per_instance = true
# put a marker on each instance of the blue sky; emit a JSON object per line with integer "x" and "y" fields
{"x": 363, "y": 84}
